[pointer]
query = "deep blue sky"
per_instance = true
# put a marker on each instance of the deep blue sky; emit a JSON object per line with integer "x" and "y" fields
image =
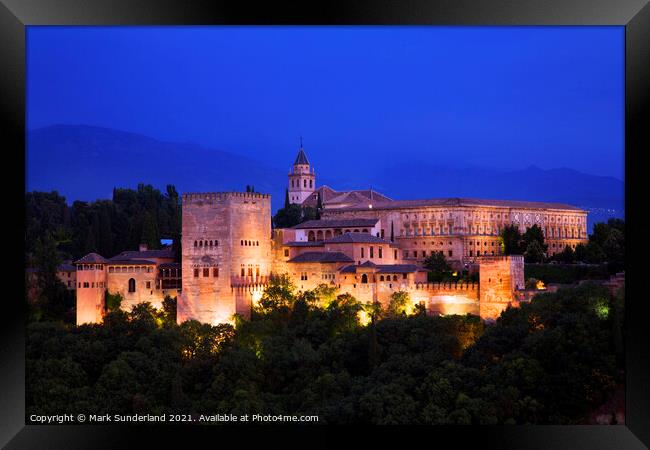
{"x": 490, "y": 96}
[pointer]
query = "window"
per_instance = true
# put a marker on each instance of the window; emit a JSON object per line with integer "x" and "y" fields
{"x": 196, "y": 273}
{"x": 200, "y": 243}
{"x": 206, "y": 272}
{"x": 372, "y": 252}
{"x": 394, "y": 277}
{"x": 303, "y": 276}
{"x": 215, "y": 272}
{"x": 111, "y": 269}
{"x": 196, "y": 244}
{"x": 148, "y": 284}
{"x": 395, "y": 254}
{"x": 404, "y": 276}
{"x": 92, "y": 284}
{"x": 304, "y": 183}
{"x": 380, "y": 255}
{"x": 362, "y": 253}
{"x": 364, "y": 278}
{"x": 243, "y": 271}
{"x": 286, "y": 252}
{"x": 470, "y": 253}
{"x": 210, "y": 243}
{"x": 131, "y": 285}
{"x": 86, "y": 284}
{"x": 424, "y": 253}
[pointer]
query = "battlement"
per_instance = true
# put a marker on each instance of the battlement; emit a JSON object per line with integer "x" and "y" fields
{"x": 447, "y": 286}
{"x": 500, "y": 258}
{"x": 197, "y": 197}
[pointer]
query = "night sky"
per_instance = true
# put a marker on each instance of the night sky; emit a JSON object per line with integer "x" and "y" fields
{"x": 488, "y": 96}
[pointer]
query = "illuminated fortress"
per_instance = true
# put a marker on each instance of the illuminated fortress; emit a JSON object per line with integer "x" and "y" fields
{"x": 365, "y": 244}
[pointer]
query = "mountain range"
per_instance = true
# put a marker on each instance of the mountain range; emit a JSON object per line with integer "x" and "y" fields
{"x": 85, "y": 163}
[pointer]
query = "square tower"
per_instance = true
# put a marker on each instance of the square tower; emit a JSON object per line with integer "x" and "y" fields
{"x": 226, "y": 248}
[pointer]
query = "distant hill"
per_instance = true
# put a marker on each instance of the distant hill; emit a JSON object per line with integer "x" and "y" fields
{"x": 85, "y": 163}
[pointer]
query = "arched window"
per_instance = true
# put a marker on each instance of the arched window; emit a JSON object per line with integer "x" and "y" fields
{"x": 210, "y": 243}
{"x": 216, "y": 243}
{"x": 311, "y": 183}
{"x": 304, "y": 183}
{"x": 319, "y": 235}
{"x": 311, "y": 237}
{"x": 381, "y": 278}
{"x": 364, "y": 278}
{"x": 131, "y": 285}
{"x": 196, "y": 244}
{"x": 200, "y": 243}
{"x": 394, "y": 277}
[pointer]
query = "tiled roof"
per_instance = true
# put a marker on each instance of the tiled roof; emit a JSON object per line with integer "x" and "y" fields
{"x": 131, "y": 262}
{"x": 383, "y": 268}
{"x": 356, "y": 238}
{"x": 91, "y": 258}
{"x": 399, "y": 268}
{"x": 301, "y": 158}
{"x": 323, "y": 257}
{"x": 304, "y": 244}
{"x": 348, "y": 269}
{"x": 324, "y": 223}
{"x": 451, "y": 202}
{"x": 135, "y": 254}
{"x": 169, "y": 266}
{"x": 333, "y": 197}
{"x": 66, "y": 267}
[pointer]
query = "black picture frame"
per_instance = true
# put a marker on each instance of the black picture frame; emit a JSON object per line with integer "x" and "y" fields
{"x": 634, "y": 15}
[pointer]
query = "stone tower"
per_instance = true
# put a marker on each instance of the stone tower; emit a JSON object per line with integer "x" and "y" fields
{"x": 302, "y": 179}
{"x": 226, "y": 254}
{"x": 91, "y": 287}
{"x": 499, "y": 278}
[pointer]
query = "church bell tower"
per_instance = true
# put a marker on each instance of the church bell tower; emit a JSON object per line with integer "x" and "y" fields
{"x": 302, "y": 178}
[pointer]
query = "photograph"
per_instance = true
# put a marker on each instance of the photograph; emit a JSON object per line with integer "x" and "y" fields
{"x": 416, "y": 225}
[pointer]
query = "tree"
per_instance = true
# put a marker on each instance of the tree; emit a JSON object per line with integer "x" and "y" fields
{"x": 580, "y": 253}
{"x": 169, "y": 305}
{"x": 287, "y": 217}
{"x": 614, "y": 245}
{"x": 112, "y": 302}
{"x": 399, "y": 304}
{"x": 594, "y": 254}
{"x": 286, "y": 199}
{"x": 567, "y": 255}
{"x": 536, "y": 234}
{"x": 534, "y": 252}
{"x": 437, "y": 266}
{"x": 511, "y": 240}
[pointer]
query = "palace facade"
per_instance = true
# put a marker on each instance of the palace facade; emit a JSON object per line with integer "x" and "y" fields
{"x": 365, "y": 244}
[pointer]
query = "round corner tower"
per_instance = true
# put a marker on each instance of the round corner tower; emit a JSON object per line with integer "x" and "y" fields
{"x": 302, "y": 178}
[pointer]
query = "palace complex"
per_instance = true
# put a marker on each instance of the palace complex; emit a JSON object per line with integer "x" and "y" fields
{"x": 364, "y": 243}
